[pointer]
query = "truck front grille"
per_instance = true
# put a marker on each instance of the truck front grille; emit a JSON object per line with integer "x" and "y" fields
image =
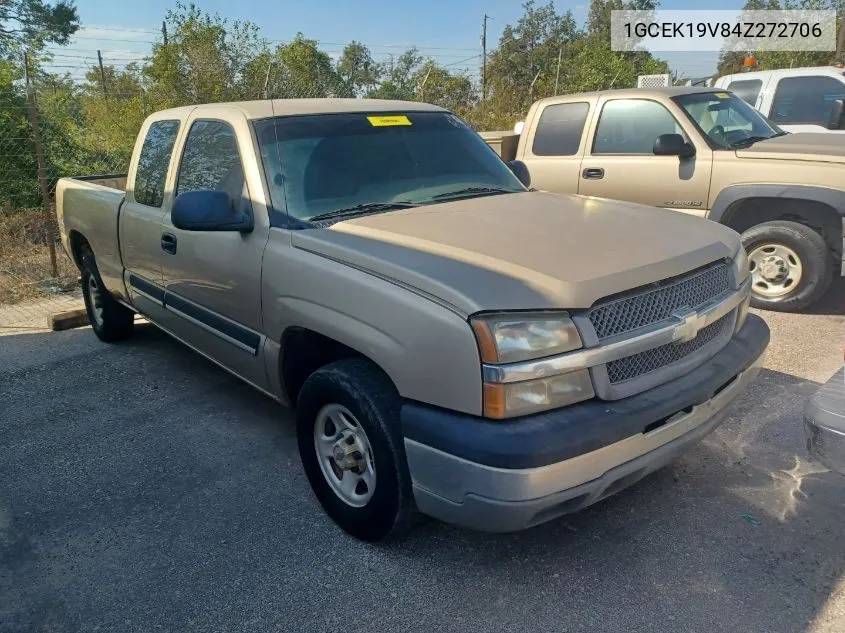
{"x": 650, "y": 304}
{"x": 634, "y": 366}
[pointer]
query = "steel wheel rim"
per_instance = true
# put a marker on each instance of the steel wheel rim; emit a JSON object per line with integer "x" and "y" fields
{"x": 96, "y": 300}
{"x": 776, "y": 270}
{"x": 348, "y": 467}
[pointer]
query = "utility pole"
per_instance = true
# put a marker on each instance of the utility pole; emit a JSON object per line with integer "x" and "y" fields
{"x": 422, "y": 85}
{"x": 840, "y": 42}
{"x": 267, "y": 78}
{"x": 32, "y": 108}
{"x": 164, "y": 32}
{"x": 557, "y": 75}
{"x": 484, "y": 58}
{"x": 103, "y": 75}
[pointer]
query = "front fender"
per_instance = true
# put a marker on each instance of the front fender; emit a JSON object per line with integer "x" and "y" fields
{"x": 426, "y": 348}
{"x": 729, "y": 196}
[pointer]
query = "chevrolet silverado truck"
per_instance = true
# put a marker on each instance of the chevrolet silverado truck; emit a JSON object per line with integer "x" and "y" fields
{"x": 704, "y": 152}
{"x": 453, "y": 344}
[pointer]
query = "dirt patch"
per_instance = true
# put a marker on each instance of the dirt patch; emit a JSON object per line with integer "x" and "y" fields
{"x": 25, "y": 258}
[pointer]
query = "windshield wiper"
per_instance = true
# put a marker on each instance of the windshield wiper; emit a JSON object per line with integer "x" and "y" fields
{"x": 473, "y": 190}
{"x": 746, "y": 142}
{"x": 362, "y": 209}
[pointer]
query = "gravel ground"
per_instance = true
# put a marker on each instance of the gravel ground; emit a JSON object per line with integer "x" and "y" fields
{"x": 143, "y": 489}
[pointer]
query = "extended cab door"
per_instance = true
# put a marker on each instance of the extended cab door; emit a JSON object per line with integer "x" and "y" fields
{"x": 554, "y": 145}
{"x": 620, "y": 163}
{"x": 141, "y": 214}
{"x": 213, "y": 278}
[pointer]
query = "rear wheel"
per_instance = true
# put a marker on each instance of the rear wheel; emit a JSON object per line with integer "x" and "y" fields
{"x": 790, "y": 265}
{"x": 347, "y": 428}
{"x": 110, "y": 320}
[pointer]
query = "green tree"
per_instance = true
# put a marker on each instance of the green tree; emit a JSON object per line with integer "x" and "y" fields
{"x": 399, "y": 80}
{"x": 301, "y": 69}
{"x": 204, "y": 60}
{"x": 32, "y": 24}
{"x": 357, "y": 71}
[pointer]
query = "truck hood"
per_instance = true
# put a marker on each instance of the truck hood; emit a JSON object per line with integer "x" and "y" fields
{"x": 523, "y": 251}
{"x": 804, "y": 146}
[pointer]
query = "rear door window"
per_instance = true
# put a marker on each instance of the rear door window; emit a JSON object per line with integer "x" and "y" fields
{"x": 560, "y": 129}
{"x": 806, "y": 99}
{"x": 153, "y": 162}
{"x": 746, "y": 89}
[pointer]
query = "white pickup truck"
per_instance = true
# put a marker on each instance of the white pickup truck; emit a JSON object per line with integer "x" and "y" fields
{"x": 795, "y": 99}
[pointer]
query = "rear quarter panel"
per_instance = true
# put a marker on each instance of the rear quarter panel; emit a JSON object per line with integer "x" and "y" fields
{"x": 91, "y": 210}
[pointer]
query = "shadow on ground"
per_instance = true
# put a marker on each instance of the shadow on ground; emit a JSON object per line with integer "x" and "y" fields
{"x": 142, "y": 488}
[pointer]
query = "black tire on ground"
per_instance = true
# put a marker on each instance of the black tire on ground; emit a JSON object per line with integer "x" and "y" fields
{"x": 815, "y": 260}
{"x": 363, "y": 389}
{"x": 116, "y": 321}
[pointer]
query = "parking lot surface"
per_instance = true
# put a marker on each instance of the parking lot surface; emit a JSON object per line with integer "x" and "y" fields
{"x": 144, "y": 489}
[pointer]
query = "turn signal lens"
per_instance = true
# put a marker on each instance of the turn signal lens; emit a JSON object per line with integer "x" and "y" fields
{"x": 513, "y": 399}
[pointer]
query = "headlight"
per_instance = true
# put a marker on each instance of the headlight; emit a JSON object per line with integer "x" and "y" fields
{"x": 740, "y": 266}
{"x": 517, "y": 337}
{"x": 741, "y": 271}
{"x": 510, "y": 338}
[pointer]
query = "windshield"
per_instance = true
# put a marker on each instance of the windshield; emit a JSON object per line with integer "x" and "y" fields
{"x": 726, "y": 120}
{"x": 318, "y": 165}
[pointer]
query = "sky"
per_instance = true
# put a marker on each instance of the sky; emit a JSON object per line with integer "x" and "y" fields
{"x": 448, "y": 30}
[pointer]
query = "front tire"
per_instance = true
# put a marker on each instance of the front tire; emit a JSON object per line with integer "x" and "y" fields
{"x": 791, "y": 267}
{"x": 347, "y": 425}
{"x": 110, "y": 320}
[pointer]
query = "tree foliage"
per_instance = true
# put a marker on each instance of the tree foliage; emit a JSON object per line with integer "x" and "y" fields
{"x": 32, "y": 24}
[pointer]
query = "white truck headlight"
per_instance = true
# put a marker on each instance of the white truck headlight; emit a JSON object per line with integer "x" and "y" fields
{"x": 510, "y": 338}
{"x": 521, "y": 337}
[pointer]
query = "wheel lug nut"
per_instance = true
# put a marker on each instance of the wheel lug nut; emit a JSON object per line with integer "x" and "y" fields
{"x": 350, "y": 440}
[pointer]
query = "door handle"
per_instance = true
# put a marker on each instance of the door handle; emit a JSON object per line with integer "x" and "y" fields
{"x": 168, "y": 243}
{"x": 593, "y": 173}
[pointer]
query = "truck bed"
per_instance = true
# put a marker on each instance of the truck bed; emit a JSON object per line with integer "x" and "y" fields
{"x": 90, "y": 206}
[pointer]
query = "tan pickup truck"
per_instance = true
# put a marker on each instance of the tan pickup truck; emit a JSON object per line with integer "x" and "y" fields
{"x": 705, "y": 152}
{"x": 453, "y": 343}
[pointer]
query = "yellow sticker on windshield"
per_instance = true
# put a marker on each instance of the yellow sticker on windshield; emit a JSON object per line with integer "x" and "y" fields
{"x": 723, "y": 95}
{"x": 384, "y": 121}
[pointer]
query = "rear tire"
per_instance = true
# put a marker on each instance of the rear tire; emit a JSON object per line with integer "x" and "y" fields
{"x": 790, "y": 263}
{"x": 110, "y": 320}
{"x": 378, "y": 503}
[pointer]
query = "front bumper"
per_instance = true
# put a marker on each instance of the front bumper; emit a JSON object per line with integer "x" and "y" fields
{"x": 508, "y": 476}
{"x": 824, "y": 423}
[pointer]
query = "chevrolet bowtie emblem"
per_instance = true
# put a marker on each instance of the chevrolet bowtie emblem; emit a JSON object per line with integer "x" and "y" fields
{"x": 690, "y": 323}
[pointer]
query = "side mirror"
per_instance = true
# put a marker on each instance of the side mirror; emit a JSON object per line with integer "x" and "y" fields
{"x": 520, "y": 170}
{"x": 673, "y": 145}
{"x": 837, "y": 116}
{"x": 208, "y": 210}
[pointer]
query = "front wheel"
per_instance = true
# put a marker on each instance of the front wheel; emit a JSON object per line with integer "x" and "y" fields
{"x": 347, "y": 427}
{"x": 790, "y": 265}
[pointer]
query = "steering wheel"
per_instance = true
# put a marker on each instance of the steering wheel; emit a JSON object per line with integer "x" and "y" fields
{"x": 717, "y": 131}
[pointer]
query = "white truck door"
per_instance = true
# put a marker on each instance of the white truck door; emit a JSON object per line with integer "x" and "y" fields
{"x": 803, "y": 103}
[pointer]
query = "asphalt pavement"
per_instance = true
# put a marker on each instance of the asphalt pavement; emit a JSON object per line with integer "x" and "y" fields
{"x": 144, "y": 489}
